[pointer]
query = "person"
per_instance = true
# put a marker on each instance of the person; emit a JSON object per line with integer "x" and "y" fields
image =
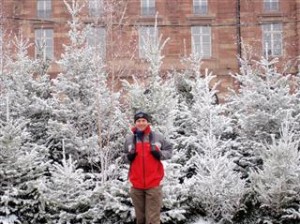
{"x": 144, "y": 149}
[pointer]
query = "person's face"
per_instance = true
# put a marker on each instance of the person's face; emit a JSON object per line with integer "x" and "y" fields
{"x": 141, "y": 124}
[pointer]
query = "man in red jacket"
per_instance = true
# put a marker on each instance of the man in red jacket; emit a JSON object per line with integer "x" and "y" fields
{"x": 144, "y": 151}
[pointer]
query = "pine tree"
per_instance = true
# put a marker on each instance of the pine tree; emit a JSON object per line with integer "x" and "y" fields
{"x": 15, "y": 78}
{"x": 87, "y": 116}
{"x": 21, "y": 163}
{"x": 208, "y": 169}
{"x": 258, "y": 108}
{"x": 277, "y": 183}
{"x": 27, "y": 86}
{"x": 23, "y": 123}
{"x": 86, "y": 112}
{"x": 176, "y": 200}
{"x": 263, "y": 99}
{"x": 200, "y": 114}
{"x": 153, "y": 94}
{"x": 65, "y": 193}
{"x": 111, "y": 201}
{"x": 215, "y": 189}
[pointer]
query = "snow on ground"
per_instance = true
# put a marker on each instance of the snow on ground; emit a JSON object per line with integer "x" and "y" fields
{"x": 204, "y": 221}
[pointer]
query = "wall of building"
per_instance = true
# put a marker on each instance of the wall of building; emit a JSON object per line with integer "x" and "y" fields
{"x": 175, "y": 19}
{"x": 298, "y": 27}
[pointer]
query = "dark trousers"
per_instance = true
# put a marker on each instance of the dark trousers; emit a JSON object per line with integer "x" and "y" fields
{"x": 147, "y": 204}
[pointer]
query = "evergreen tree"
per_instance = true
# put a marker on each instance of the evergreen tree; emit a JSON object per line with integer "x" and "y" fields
{"x": 277, "y": 183}
{"x": 21, "y": 163}
{"x": 176, "y": 200}
{"x": 111, "y": 201}
{"x": 200, "y": 114}
{"x": 259, "y": 107}
{"x": 23, "y": 155}
{"x": 65, "y": 193}
{"x": 86, "y": 112}
{"x": 263, "y": 99}
{"x": 28, "y": 89}
{"x": 88, "y": 117}
{"x": 215, "y": 188}
{"x": 203, "y": 126}
{"x": 153, "y": 95}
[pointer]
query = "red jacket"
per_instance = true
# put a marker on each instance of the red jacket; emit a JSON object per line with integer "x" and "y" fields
{"x": 145, "y": 171}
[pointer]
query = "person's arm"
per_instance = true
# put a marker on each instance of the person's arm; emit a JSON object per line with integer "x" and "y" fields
{"x": 166, "y": 149}
{"x": 128, "y": 150}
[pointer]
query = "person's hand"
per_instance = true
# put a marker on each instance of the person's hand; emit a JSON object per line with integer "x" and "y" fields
{"x": 156, "y": 154}
{"x": 131, "y": 156}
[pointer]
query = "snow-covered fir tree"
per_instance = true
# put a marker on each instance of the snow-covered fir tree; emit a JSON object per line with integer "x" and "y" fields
{"x": 209, "y": 169}
{"x": 204, "y": 115}
{"x": 88, "y": 117}
{"x": 110, "y": 200}
{"x": 259, "y": 106}
{"x": 22, "y": 114}
{"x": 65, "y": 192}
{"x": 21, "y": 163}
{"x": 199, "y": 114}
{"x": 216, "y": 189}
{"x": 16, "y": 76}
{"x": 87, "y": 113}
{"x": 27, "y": 86}
{"x": 277, "y": 183}
{"x": 263, "y": 99}
{"x": 176, "y": 200}
{"x": 153, "y": 94}
{"x": 203, "y": 127}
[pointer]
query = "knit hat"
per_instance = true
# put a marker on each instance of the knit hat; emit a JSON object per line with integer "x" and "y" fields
{"x": 141, "y": 114}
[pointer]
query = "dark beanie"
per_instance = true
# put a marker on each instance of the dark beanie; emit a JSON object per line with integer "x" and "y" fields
{"x": 141, "y": 114}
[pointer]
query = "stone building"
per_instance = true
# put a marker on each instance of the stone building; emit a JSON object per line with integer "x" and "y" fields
{"x": 215, "y": 29}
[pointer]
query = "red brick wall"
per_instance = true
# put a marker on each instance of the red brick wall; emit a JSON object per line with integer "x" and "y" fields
{"x": 298, "y": 25}
{"x": 174, "y": 20}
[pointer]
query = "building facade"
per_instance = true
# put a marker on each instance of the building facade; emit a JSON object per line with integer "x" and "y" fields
{"x": 218, "y": 30}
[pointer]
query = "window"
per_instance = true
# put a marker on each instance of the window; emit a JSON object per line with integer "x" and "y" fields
{"x": 147, "y": 37}
{"x": 44, "y": 9}
{"x": 201, "y": 41}
{"x": 147, "y": 7}
{"x": 200, "y": 6}
{"x": 272, "y": 39}
{"x": 44, "y": 44}
{"x": 271, "y": 5}
{"x": 97, "y": 40}
{"x": 95, "y": 8}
